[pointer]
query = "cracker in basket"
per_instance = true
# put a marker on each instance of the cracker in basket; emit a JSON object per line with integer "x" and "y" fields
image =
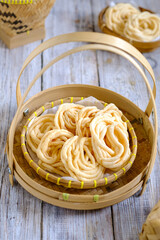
{"x": 128, "y": 21}
{"x": 38, "y": 128}
{"x": 65, "y": 117}
{"x": 49, "y": 151}
{"x": 143, "y": 27}
{"x": 117, "y": 16}
{"x": 78, "y": 159}
{"x": 113, "y": 112}
{"x": 83, "y": 120}
{"x": 110, "y": 141}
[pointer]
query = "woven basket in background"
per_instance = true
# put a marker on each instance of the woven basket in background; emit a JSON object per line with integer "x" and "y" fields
{"x": 21, "y": 19}
{"x": 151, "y": 228}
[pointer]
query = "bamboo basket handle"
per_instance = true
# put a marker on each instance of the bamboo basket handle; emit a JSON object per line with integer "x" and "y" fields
{"x": 92, "y": 38}
{"x": 91, "y": 46}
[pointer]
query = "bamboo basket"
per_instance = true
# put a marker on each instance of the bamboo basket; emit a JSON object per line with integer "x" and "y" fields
{"x": 100, "y": 196}
{"x": 69, "y": 183}
{"x": 141, "y": 46}
{"x": 23, "y": 22}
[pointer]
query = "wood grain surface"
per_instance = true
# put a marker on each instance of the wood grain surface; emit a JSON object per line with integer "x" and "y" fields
{"x": 22, "y": 216}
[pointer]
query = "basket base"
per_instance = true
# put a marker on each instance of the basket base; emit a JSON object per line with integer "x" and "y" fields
{"x": 76, "y": 205}
{"x": 23, "y": 38}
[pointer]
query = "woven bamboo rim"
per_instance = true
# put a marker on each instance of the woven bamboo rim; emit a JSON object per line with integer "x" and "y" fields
{"x": 142, "y": 46}
{"x": 104, "y": 42}
{"x": 68, "y": 183}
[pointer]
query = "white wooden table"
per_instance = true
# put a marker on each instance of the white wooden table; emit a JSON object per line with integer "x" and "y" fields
{"x": 22, "y": 216}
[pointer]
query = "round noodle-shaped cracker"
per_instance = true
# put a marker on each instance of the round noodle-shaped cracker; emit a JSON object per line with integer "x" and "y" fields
{"x": 83, "y": 120}
{"x": 117, "y": 16}
{"x": 38, "y": 128}
{"x": 49, "y": 151}
{"x": 110, "y": 142}
{"x": 142, "y": 27}
{"x": 110, "y": 108}
{"x": 78, "y": 158}
{"x": 113, "y": 112}
{"x": 65, "y": 117}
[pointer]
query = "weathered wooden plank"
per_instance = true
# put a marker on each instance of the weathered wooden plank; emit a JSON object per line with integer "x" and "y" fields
{"x": 19, "y": 211}
{"x": 68, "y": 224}
{"x": 73, "y": 69}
